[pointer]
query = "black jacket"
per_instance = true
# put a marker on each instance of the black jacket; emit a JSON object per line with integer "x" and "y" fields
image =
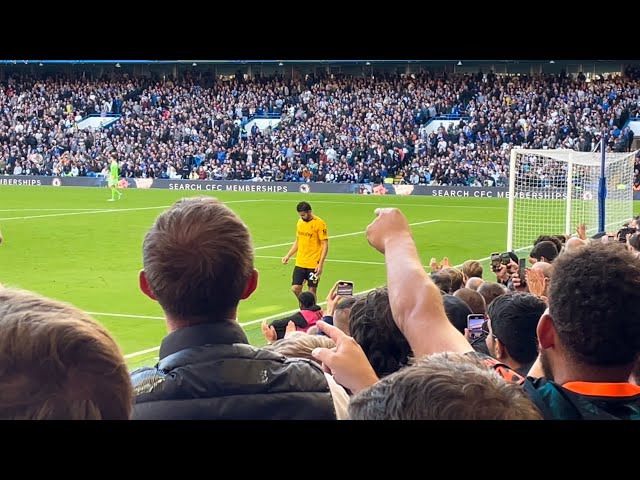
{"x": 209, "y": 371}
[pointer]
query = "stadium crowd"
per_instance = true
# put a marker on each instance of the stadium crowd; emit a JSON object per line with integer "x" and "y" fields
{"x": 333, "y": 129}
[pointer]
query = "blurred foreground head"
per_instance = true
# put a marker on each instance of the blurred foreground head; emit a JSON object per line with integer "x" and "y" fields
{"x": 443, "y": 386}
{"x": 57, "y": 363}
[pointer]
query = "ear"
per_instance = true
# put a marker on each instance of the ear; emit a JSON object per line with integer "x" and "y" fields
{"x": 498, "y": 348}
{"x": 144, "y": 285}
{"x": 250, "y": 287}
{"x": 546, "y": 331}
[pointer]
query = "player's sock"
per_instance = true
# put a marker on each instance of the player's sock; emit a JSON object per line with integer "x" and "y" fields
{"x": 113, "y": 193}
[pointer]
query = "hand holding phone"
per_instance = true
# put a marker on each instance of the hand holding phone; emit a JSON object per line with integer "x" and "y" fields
{"x": 344, "y": 288}
{"x": 522, "y": 265}
{"x": 474, "y": 325}
{"x": 495, "y": 262}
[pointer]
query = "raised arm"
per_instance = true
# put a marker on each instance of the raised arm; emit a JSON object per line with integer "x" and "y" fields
{"x": 416, "y": 302}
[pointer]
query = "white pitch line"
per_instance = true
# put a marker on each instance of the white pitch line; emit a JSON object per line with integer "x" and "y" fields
{"x": 47, "y": 209}
{"x": 142, "y": 352}
{"x": 384, "y": 204}
{"x": 99, "y": 314}
{"x": 110, "y": 210}
{"x": 338, "y": 236}
{"x": 451, "y": 220}
{"x": 327, "y": 260}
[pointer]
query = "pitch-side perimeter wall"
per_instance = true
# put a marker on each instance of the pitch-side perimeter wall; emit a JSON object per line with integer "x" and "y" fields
{"x": 288, "y": 187}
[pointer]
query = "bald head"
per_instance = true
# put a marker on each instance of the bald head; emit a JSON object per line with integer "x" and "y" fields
{"x": 546, "y": 268}
{"x": 573, "y": 244}
{"x": 474, "y": 283}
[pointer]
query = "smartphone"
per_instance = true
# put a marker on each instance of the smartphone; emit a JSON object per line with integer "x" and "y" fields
{"x": 474, "y": 325}
{"x": 522, "y": 265}
{"x": 495, "y": 262}
{"x": 344, "y": 288}
{"x": 505, "y": 258}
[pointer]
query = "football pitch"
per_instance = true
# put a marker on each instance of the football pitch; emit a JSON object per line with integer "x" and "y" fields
{"x": 72, "y": 245}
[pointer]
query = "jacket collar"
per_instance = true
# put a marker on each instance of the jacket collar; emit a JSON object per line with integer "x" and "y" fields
{"x": 225, "y": 332}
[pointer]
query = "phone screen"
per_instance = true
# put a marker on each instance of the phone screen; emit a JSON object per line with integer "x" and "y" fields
{"x": 344, "y": 288}
{"x": 522, "y": 265}
{"x": 495, "y": 262}
{"x": 474, "y": 324}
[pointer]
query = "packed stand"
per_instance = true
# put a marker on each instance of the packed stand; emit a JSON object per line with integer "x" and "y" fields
{"x": 333, "y": 129}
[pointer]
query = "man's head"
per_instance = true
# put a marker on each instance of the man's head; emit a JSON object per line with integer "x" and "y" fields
{"x": 304, "y": 210}
{"x": 512, "y": 324}
{"x": 57, "y": 363}
{"x": 457, "y": 311}
{"x": 300, "y": 345}
{"x": 474, "y": 283}
{"x": 555, "y": 239}
{"x": 545, "y": 251}
{"x": 443, "y": 386}
{"x": 547, "y": 271}
{"x": 371, "y": 325}
{"x": 472, "y": 269}
{"x": 457, "y": 278}
{"x": 198, "y": 261}
{"x": 491, "y": 290}
{"x": 591, "y": 323}
{"x": 573, "y": 243}
{"x": 473, "y": 299}
{"x": 442, "y": 279}
{"x": 342, "y": 313}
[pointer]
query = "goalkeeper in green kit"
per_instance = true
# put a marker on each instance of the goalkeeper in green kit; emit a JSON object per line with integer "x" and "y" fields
{"x": 113, "y": 180}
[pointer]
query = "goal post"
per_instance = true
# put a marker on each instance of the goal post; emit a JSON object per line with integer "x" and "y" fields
{"x": 552, "y": 191}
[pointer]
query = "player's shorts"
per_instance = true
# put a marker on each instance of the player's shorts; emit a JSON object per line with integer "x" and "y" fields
{"x": 113, "y": 183}
{"x": 300, "y": 275}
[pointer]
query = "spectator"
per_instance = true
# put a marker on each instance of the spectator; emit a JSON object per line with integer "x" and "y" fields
{"x": 372, "y": 326}
{"x": 198, "y": 264}
{"x": 473, "y": 299}
{"x": 304, "y": 319}
{"x": 511, "y": 330}
{"x": 443, "y": 386}
{"x": 545, "y": 251}
{"x": 58, "y": 363}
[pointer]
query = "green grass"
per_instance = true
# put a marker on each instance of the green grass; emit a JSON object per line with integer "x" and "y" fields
{"x": 92, "y": 257}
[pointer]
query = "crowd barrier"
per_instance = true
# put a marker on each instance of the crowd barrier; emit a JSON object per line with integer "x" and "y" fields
{"x": 290, "y": 187}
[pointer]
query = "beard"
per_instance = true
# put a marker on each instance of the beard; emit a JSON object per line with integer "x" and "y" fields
{"x": 546, "y": 365}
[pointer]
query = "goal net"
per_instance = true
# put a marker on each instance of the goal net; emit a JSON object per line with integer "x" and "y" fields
{"x": 552, "y": 191}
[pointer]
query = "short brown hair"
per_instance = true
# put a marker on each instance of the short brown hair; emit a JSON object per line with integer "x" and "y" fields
{"x": 472, "y": 298}
{"x": 443, "y": 386}
{"x": 57, "y": 363}
{"x": 457, "y": 279}
{"x": 472, "y": 268}
{"x": 198, "y": 257}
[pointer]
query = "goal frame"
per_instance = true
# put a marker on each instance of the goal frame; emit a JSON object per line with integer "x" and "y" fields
{"x": 572, "y": 158}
